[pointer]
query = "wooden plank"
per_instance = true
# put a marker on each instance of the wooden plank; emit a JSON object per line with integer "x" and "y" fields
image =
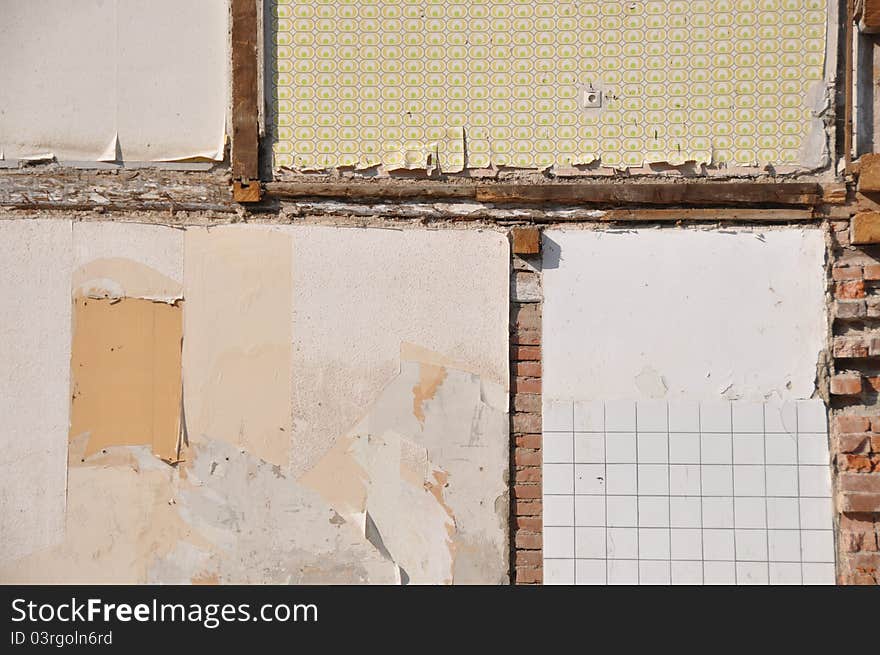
{"x": 245, "y": 95}
{"x": 525, "y": 241}
{"x": 870, "y": 21}
{"x": 697, "y": 193}
{"x": 362, "y": 192}
{"x": 708, "y": 215}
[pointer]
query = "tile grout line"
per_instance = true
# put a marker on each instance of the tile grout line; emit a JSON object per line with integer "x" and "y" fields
{"x": 605, "y": 486}
{"x": 573, "y": 499}
{"x": 700, "y": 457}
{"x": 669, "y": 490}
{"x": 797, "y": 463}
{"x": 766, "y": 504}
{"x": 733, "y": 499}
{"x": 638, "y": 518}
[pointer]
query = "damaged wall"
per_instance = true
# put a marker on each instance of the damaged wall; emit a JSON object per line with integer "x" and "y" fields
{"x": 445, "y": 85}
{"x": 94, "y": 80}
{"x": 235, "y": 415}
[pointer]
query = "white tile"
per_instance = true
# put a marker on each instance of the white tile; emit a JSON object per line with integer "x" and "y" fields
{"x": 812, "y": 416}
{"x": 780, "y": 417}
{"x": 621, "y": 478}
{"x": 589, "y": 510}
{"x": 817, "y": 545}
{"x": 748, "y": 448}
{"x": 715, "y": 416}
{"x": 782, "y": 513}
{"x": 687, "y": 573}
{"x": 589, "y": 448}
{"x": 785, "y": 573}
{"x": 654, "y": 512}
{"x": 558, "y": 478}
{"x": 623, "y": 572}
{"x": 620, "y": 416}
{"x": 750, "y": 513}
{"x": 623, "y": 543}
{"x": 748, "y": 480}
{"x": 781, "y": 449}
{"x": 653, "y": 543}
{"x": 752, "y": 573}
{"x": 620, "y": 447}
{"x": 716, "y": 449}
{"x": 818, "y": 573}
{"x": 719, "y": 573}
{"x": 558, "y": 571}
{"x": 622, "y": 511}
{"x": 782, "y": 481}
{"x": 653, "y": 448}
{"x": 685, "y": 512}
{"x": 651, "y": 416}
{"x": 684, "y": 480}
{"x": 686, "y": 544}
{"x": 558, "y": 542}
{"x": 590, "y": 572}
{"x": 684, "y": 416}
{"x": 815, "y": 480}
{"x": 716, "y": 480}
{"x": 557, "y": 415}
{"x": 589, "y": 478}
{"x": 785, "y": 545}
{"x": 558, "y": 447}
{"x": 654, "y": 573}
{"x": 653, "y": 479}
{"x": 718, "y": 512}
{"x": 718, "y": 545}
{"x": 558, "y": 510}
{"x": 816, "y": 514}
{"x": 589, "y": 416}
{"x": 590, "y": 542}
{"x": 748, "y": 417}
{"x": 813, "y": 449}
{"x": 684, "y": 448}
{"x": 751, "y": 545}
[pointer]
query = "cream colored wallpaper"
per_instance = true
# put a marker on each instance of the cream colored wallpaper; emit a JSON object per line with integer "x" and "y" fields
{"x": 530, "y": 83}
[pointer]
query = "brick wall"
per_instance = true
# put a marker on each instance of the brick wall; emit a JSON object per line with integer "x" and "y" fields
{"x": 525, "y": 417}
{"x": 855, "y": 403}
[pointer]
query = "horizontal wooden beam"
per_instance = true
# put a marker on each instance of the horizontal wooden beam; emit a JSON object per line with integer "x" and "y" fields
{"x": 700, "y": 194}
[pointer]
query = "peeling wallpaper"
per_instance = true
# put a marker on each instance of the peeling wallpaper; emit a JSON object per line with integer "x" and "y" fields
{"x": 453, "y": 84}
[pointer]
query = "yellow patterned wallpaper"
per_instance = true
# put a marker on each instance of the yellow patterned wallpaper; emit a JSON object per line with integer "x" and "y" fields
{"x": 471, "y": 83}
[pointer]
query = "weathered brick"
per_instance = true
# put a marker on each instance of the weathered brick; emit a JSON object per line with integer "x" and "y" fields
{"x": 528, "y": 541}
{"x": 529, "y": 523}
{"x": 529, "y": 441}
{"x": 840, "y": 273}
{"x": 844, "y": 424}
{"x": 525, "y": 286}
{"x": 853, "y": 443}
{"x": 850, "y": 290}
{"x": 526, "y": 422}
{"x": 849, "y": 347}
{"x": 527, "y": 402}
{"x": 526, "y": 457}
{"x": 871, "y": 272}
{"x": 522, "y": 353}
{"x": 859, "y": 463}
{"x": 527, "y": 385}
{"x": 526, "y": 337}
{"x": 857, "y": 522}
{"x": 875, "y": 443}
{"x": 527, "y": 316}
{"x": 864, "y": 562}
{"x": 865, "y": 228}
{"x": 529, "y": 558}
{"x": 859, "y": 483}
{"x": 527, "y": 474}
{"x": 852, "y": 542}
{"x": 860, "y": 503}
{"x": 875, "y": 423}
{"x": 528, "y": 508}
{"x": 850, "y": 309}
{"x": 527, "y": 491}
{"x": 872, "y": 307}
{"x": 527, "y": 369}
{"x": 529, "y": 575}
{"x": 846, "y": 384}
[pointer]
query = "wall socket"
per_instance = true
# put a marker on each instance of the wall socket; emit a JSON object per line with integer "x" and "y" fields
{"x": 591, "y": 98}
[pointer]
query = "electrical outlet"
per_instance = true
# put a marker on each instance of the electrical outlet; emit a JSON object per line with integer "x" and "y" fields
{"x": 591, "y": 98}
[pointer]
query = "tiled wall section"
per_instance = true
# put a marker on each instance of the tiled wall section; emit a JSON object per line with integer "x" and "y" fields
{"x": 472, "y": 83}
{"x": 687, "y": 493}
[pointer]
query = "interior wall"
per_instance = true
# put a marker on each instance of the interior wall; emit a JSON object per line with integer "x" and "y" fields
{"x": 236, "y": 412}
{"x": 114, "y": 80}
{"x": 447, "y": 86}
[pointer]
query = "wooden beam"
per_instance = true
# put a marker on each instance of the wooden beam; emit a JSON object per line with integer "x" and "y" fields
{"x": 870, "y": 20}
{"x": 245, "y": 96}
{"x": 682, "y": 193}
{"x": 372, "y": 191}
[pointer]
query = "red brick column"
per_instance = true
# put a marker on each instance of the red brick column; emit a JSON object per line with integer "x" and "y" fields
{"x": 525, "y": 403}
{"x": 855, "y": 403}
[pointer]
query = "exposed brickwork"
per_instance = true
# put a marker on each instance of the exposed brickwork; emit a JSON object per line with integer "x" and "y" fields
{"x": 526, "y": 539}
{"x": 855, "y": 401}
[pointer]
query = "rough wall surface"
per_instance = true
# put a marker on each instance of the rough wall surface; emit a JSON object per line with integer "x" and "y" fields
{"x": 409, "y": 487}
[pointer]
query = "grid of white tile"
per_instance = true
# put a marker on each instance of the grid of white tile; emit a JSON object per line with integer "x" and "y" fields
{"x": 652, "y": 492}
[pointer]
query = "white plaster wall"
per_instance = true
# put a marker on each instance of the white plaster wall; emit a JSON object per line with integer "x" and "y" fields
{"x": 35, "y": 259}
{"x": 682, "y": 313}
